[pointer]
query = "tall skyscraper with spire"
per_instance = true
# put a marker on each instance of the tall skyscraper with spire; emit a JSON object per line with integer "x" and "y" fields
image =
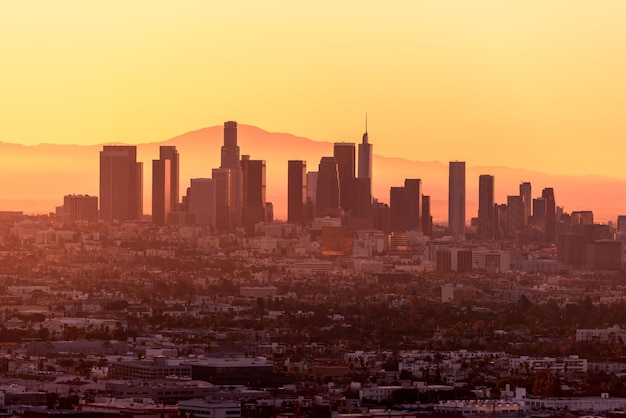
{"x": 230, "y": 160}
{"x": 365, "y": 156}
{"x": 363, "y": 182}
{"x": 456, "y": 198}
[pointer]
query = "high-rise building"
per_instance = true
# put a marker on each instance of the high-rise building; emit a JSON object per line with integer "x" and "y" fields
{"x": 165, "y": 175}
{"x": 121, "y": 184}
{"x": 515, "y": 215}
{"x": 344, "y": 153}
{"x": 581, "y": 217}
{"x": 327, "y": 195}
{"x": 413, "y": 190}
{"x": 550, "y": 229}
{"x": 427, "y": 219}
{"x": 486, "y": 218}
{"x": 230, "y": 160}
{"x": 202, "y": 202}
{"x": 80, "y": 208}
{"x": 169, "y": 152}
{"x": 525, "y": 191}
{"x": 406, "y": 206}
{"x": 398, "y": 217}
{"x": 222, "y": 178}
{"x": 456, "y": 198}
{"x": 365, "y": 156}
{"x": 296, "y": 191}
{"x": 161, "y": 189}
{"x": 253, "y": 205}
{"x": 621, "y": 223}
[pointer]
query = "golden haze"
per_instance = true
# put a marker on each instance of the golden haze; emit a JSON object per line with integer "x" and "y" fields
{"x": 529, "y": 84}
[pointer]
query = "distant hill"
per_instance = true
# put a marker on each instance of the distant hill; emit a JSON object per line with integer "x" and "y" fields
{"x": 35, "y": 178}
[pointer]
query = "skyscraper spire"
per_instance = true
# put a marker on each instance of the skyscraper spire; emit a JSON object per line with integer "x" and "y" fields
{"x": 365, "y": 137}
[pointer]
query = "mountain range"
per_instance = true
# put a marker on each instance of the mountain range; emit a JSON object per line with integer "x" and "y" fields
{"x": 35, "y": 178}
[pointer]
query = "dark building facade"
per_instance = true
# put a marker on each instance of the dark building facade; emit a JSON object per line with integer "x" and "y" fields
{"x": 344, "y": 153}
{"x": 327, "y": 200}
{"x": 230, "y": 160}
{"x": 121, "y": 184}
{"x": 296, "y": 191}
{"x": 456, "y": 198}
{"x": 253, "y": 208}
{"x": 486, "y": 218}
{"x": 165, "y": 184}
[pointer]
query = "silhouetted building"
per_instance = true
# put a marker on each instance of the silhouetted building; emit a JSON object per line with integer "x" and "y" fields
{"x": 311, "y": 192}
{"x": 165, "y": 183}
{"x": 253, "y": 181}
{"x": 486, "y": 218}
{"x": 398, "y": 217}
{"x": 365, "y": 156}
{"x": 80, "y": 208}
{"x": 427, "y": 219}
{"x": 605, "y": 255}
{"x": 230, "y": 160}
{"x": 515, "y": 215}
{"x": 413, "y": 188}
{"x": 581, "y": 217}
{"x": 621, "y": 223}
{"x": 572, "y": 249}
{"x": 223, "y": 189}
{"x": 362, "y": 207}
{"x": 344, "y": 153}
{"x": 380, "y": 213}
{"x": 550, "y": 229}
{"x": 456, "y": 198}
{"x": 296, "y": 191}
{"x": 202, "y": 202}
{"x": 406, "y": 206}
{"x": 121, "y": 184}
{"x": 327, "y": 196}
{"x": 525, "y": 191}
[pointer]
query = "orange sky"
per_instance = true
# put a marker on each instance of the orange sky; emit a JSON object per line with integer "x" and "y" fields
{"x": 536, "y": 84}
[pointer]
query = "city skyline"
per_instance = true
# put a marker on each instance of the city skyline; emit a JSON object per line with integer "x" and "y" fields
{"x": 598, "y": 192}
{"x": 476, "y": 77}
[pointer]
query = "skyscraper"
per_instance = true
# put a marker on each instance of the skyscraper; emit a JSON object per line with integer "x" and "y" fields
{"x": 253, "y": 192}
{"x": 413, "y": 190}
{"x": 456, "y": 198}
{"x": 296, "y": 191}
{"x": 486, "y": 218}
{"x": 161, "y": 189}
{"x": 365, "y": 156}
{"x": 222, "y": 178}
{"x": 165, "y": 175}
{"x": 398, "y": 216}
{"x": 230, "y": 160}
{"x": 327, "y": 194}
{"x": 121, "y": 184}
{"x": 550, "y": 230}
{"x": 170, "y": 153}
{"x": 515, "y": 215}
{"x": 525, "y": 190}
{"x": 202, "y": 202}
{"x": 427, "y": 219}
{"x": 344, "y": 153}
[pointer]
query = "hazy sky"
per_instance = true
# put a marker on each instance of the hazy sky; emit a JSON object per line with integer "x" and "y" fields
{"x": 535, "y": 84}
